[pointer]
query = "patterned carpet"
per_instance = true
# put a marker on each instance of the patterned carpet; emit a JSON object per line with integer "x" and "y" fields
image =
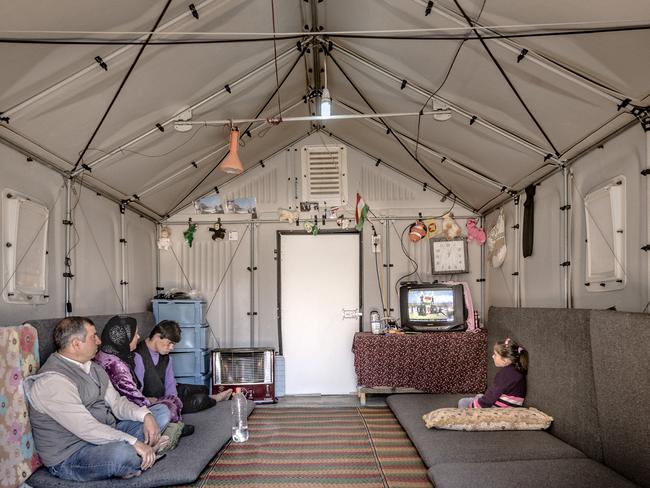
{"x": 319, "y": 447}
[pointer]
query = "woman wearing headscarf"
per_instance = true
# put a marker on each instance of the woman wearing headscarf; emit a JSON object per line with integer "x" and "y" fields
{"x": 119, "y": 340}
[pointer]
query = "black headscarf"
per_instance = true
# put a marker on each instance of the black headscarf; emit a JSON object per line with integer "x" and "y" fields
{"x": 116, "y": 337}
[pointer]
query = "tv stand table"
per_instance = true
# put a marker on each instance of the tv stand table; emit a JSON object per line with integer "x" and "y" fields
{"x": 433, "y": 362}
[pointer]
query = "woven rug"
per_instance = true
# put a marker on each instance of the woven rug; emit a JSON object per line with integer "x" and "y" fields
{"x": 319, "y": 447}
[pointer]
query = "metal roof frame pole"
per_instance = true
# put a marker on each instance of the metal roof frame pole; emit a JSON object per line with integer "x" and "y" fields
{"x": 543, "y": 61}
{"x": 252, "y": 270}
{"x": 155, "y": 130}
{"x": 452, "y": 106}
{"x": 517, "y": 273}
{"x": 447, "y": 161}
{"x": 481, "y": 313}
{"x": 566, "y": 238}
{"x": 157, "y": 230}
{"x": 123, "y": 281}
{"x": 647, "y": 210}
{"x": 67, "y": 222}
{"x": 95, "y": 67}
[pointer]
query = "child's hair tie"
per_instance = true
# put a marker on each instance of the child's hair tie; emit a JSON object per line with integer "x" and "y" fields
{"x": 507, "y": 341}
{"x": 519, "y": 349}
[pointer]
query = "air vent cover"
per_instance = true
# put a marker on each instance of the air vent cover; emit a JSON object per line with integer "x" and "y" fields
{"x": 324, "y": 170}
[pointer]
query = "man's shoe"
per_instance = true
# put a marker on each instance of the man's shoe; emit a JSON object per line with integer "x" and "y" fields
{"x": 187, "y": 430}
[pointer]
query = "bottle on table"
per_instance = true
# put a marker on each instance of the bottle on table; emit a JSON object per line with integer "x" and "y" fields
{"x": 375, "y": 322}
{"x": 239, "y": 418}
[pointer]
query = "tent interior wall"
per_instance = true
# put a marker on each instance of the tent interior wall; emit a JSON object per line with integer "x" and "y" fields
{"x": 110, "y": 128}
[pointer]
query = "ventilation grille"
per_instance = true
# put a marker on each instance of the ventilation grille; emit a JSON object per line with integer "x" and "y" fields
{"x": 242, "y": 366}
{"x": 324, "y": 170}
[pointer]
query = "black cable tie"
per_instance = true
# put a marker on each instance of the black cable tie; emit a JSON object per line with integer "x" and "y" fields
{"x": 330, "y": 46}
{"x": 68, "y": 275}
{"x": 565, "y": 207}
{"x": 503, "y": 188}
{"x": 427, "y": 10}
{"x": 86, "y": 167}
{"x": 645, "y": 172}
{"x": 603, "y": 284}
{"x": 516, "y": 273}
{"x": 587, "y": 284}
{"x": 522, "y": 55}
{"x": 424, "y": 187}
{"x": 516, "y": 226}
{"x": 160, "y": 288}
{"x": 646, "y": 247}
{"x": 122, "y": 282}
{"x": 123, "y": 241}
{"x": 248, "y": 133}
{"x": 480, "y": 280}
{"x": 160, "y": 128}
{"x": 547, "y": 157}
{"x": 67, "y": 222}
{"x": 443, "y": 160}
{"x": 377, "y": 163}
{"x": 4, "y": 119}
{"x": 619, "y": 281}
{"x": 623, "y": 104}
{"x": 403, "y": 85}
{"x": 195, "y": 14}
{"x": 193, "y": 163}
{"x": 136, "y": 196}
{"x": 251, "y": 269}
{"x": 388, "y": 265}
{"x": 473, "y": 119}
{"x": 299, "y": 46}
{"x": 227, "y": 87}
{"x": 387, "y": 130}
{"x": 101, "y": 62}
{"x": 565, "y": 263}
{"x": 216, "y": 190}
{"x": 123, "y": 203}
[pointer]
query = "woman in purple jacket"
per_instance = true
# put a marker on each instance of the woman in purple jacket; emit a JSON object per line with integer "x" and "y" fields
{"x": 119, "y": 340}
{"x": 509, "y": 386}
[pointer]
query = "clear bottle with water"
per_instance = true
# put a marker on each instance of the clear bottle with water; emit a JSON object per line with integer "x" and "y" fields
{"x": 239, "y": 418}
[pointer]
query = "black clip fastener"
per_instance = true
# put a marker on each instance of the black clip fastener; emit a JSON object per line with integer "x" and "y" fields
{"x": 565, "y": 207}
{"x": 160, "y": 128}
{"x": 522, "y": 55}
{"x": 86, "y": 167}
{"x": 646, "y": 247}
{"x": 427, "y": 10}
{"x": 3, "y": 119}
{"x": 251, "y": 269}
{"x": 68, "y": 275}
{"x": 404, "y": 82}
{"x": 516, "y": 273}
{"x": 480, "y": 280}
{"x": 123, "y": 241}
{"x": 192, "y": 8}
{"x": 227, "y": 87}
{"x": 473, "y": 119}
{"x": 67, "y": 222}
{"x": 122, "y": 282}
{"x": 100, "y": 62}
{"x": 516, "y": 226}
{"x": 566, "y": 263}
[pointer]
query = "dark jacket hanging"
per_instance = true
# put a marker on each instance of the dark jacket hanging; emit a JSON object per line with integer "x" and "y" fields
{"x": 529, "y": 221}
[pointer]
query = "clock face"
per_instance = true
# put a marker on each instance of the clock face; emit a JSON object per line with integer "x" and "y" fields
{"x": 449, "y": 256}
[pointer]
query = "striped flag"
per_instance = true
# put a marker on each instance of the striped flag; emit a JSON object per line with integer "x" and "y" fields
{"x": 361, "y": 211}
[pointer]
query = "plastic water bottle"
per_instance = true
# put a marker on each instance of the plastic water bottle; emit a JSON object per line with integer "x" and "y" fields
{"x": 375, "y": 322}
{"x": 239, "y": 418}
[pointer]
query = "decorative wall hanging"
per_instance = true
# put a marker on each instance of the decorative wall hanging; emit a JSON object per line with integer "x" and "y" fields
{"x": 209, "y": 204}
{"x": 449, "y": 226}
{"x": 218, "y": 231}
{"x": 188, "y": 234}
{"x": 434, "y": 228}
{"x": 417, "y": 231}
{"x": 287, "y": 215}
{"x": 475, "y": 233}
{"x": 360, "y": 213}
{"x": 165, "y": 239}
{"x": 496, "y": 242}
{"x": 529, "y": 221}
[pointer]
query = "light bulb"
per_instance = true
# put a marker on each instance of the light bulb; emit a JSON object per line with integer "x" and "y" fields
{"x": 325, "y": 104}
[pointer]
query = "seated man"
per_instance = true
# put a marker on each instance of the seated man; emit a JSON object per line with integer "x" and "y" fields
{"x": 83, "y": 429}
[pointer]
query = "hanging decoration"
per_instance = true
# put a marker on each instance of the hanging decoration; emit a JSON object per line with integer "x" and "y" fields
{"x": 287, "y": 215}
{"x": 475, "y": 233}
{"x": 434, "y": 229}
{"x": 343, "y": 222}
{"x": 496, "y": 242}
{"x": 417, "y": 231}
{"x": 312, "y": 228}
{"x": 188, "y": 234}
{"x": 361, "y": 212}
{"x": 165, "y": 239}
{"x": 450, "y": 228}
{"x": 218, "y": 232}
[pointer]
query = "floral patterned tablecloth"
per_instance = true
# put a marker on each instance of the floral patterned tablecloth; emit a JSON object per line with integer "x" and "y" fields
{"x": 435, "y": 362}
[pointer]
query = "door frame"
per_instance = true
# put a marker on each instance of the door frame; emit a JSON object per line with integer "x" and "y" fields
{"x": 278, "y": 250}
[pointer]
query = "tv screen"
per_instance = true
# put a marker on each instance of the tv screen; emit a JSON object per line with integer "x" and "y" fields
{"x": 432, "y": 307}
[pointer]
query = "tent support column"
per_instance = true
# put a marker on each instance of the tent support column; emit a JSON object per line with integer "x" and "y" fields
{"x": 389, "y": 310}
{"x": 647, "y": 211}
{"x": 517, "y": 273}
{"x": 566, "y": 238}
{"x": 252, "y": 270}
{"x": 67, "y": 222}
{"x": 123, "y": 281}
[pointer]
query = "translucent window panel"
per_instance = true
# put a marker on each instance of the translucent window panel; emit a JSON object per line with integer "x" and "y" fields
{"x": 24, "y": 231}
{"x": 605, "y": 222}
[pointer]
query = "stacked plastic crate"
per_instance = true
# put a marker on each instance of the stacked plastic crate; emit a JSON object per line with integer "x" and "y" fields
{"x": 191, "y": 356}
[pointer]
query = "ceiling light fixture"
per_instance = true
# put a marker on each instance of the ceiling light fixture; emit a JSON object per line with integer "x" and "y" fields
{"x": 232, "y": 164}
{"x": 325, "y": 98}
{"x": 441, "y": 111}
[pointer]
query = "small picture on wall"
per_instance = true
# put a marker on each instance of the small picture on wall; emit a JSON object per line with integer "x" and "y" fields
{"x": 308, "y": 206}
{"x": 209, "y": 204}
{"x": 242, "y": 205}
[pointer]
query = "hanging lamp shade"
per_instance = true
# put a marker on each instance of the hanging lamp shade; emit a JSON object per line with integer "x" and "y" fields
{"x": 232, "y": 164}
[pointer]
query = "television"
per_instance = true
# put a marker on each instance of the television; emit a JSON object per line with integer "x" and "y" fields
{"x": 432, "y": 307}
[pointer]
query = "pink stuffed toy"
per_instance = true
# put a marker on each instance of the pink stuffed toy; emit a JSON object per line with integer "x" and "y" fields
{"x": 475, "y": 233}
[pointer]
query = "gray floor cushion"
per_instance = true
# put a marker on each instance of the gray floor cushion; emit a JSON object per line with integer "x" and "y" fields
{"x": 552, "y": 473}
{"x": 182, "y": 465}
{"x": 446, "y": 446}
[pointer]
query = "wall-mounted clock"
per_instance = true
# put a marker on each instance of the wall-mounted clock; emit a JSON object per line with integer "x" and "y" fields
{"x": 449, "y": 256}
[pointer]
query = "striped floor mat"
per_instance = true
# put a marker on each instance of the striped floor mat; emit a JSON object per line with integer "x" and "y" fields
{"x": 319, "y": 447}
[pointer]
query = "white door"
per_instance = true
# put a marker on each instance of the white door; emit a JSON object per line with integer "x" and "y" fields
{"x": 319, "y": 279}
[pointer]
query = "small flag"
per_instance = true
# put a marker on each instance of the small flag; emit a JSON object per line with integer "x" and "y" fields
{"x": 361, "y": 211}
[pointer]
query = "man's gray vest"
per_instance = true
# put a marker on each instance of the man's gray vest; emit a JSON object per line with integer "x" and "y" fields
{"x": 53, "y": 442}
